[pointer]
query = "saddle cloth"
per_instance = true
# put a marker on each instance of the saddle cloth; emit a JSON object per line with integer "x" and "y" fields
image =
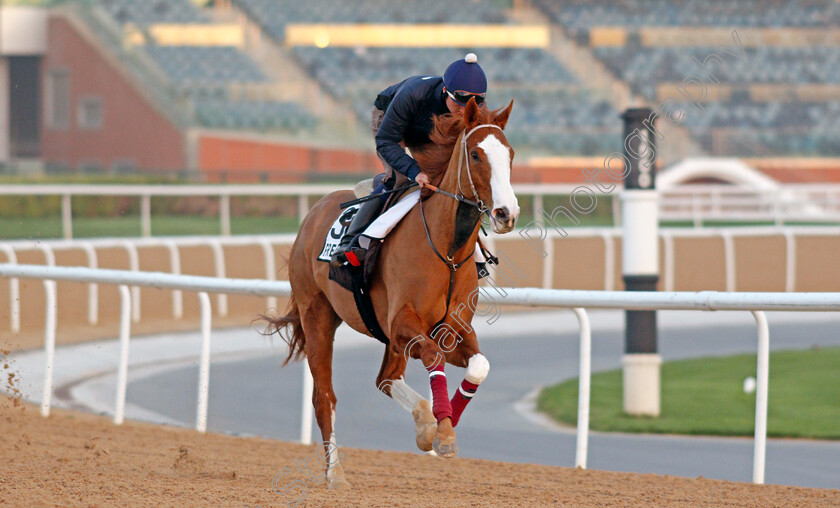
{"x": 377, "y": 230}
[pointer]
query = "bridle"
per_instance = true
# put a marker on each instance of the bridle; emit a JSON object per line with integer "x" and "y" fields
{"x": 477, "y": 203}
{"x": 465, "y": 161}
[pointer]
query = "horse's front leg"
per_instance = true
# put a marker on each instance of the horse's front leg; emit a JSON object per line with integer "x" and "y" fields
{"x": 467, "y": 354}
{"x": 409, "y": 331}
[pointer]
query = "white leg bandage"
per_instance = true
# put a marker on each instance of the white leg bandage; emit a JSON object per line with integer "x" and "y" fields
{"x": 403, "y": 394}
{"x": 477, "y": 369}
{"x": 333, "y": 450}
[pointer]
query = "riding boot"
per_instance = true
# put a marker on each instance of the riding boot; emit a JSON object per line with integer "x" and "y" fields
{"x": 368, "y": 212}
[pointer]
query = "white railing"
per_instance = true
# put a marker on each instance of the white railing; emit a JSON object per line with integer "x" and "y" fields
{"x": 131, "y": 247}
{"x": 731, "y": 203}
{"x": 267, "y": 242}
{"x": 303, "y": 193}
{"x": 695, "y": 203}
{"x": 756, "y": 303}
{"x": 123, "y": 278}
{"x": 668, "y": 235}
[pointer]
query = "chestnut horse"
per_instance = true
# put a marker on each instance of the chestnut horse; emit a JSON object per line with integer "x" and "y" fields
{"x": 469, "y": 164}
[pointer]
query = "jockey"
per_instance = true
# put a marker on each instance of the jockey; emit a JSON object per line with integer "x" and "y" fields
{"x": 402, "y": 116}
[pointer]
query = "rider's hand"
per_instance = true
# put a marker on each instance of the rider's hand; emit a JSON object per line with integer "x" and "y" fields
{"x": 422, "y": 178}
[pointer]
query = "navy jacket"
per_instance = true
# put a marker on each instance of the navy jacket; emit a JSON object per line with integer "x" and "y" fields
{"x": 409, "y": 107}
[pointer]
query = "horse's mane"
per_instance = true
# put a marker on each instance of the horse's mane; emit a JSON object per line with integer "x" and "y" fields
{"x": 434, "y": 158}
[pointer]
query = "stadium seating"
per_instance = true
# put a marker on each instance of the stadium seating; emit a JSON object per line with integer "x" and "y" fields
{"x": 273, "y": 15}
{"x": 578, "y": 16}
{"x": 765, "y": 115}
{"x": 644, "y": 67}
{"x": 145, "y": 12}
{"x": 340, "y": 67}
{"x": 201, "y": 75}
{"x": 356, "y": 75}
{"x": 554, "y": 113}
{"x": 252, "y": 115}
{"x": 751, "y": 125}
{"x": 196, "y": 65}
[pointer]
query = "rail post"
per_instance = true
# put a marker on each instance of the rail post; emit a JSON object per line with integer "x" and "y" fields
{"x": 67, "y": 216}
{"x": 49, "y": 345}
{"x": 584, "y": 383}
{"x": 122, "y": 372}
{"x": 761, "y": 390}
{"x": 306, "y": 409}
{"x": 146, "y": 215}
{"x": 14, "y": 291}
{"x": 204, "y": 364}
{"x": 224, "y": 214}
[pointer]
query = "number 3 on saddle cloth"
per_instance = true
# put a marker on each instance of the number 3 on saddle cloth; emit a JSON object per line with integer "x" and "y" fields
{"x": 371, "y": 239}
{"x": 356, "y": 279}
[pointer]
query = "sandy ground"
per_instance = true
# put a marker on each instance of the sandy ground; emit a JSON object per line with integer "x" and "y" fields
{"x": 74, "y": 459}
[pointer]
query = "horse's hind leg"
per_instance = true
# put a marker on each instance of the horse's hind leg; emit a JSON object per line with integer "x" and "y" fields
{"x": 319, "y": 322}
{"x": 391, "y": 382}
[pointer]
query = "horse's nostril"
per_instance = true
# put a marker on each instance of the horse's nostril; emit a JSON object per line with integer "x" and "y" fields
{"x": 502, "y": 214}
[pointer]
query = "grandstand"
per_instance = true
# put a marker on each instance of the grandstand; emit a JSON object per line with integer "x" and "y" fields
{"x": 541, "y": 85}
{"x": 288, "y": 72}
{"x": 766, "y": 102}
{"x": 580, "y": 16}
{"x": 274, "y": 15}
{"x": 157, "y": 11}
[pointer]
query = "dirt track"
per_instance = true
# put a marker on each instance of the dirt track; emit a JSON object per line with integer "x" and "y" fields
{"x": 84, "y": 460}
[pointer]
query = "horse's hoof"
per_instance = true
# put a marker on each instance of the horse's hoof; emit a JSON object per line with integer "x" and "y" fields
{"x": 426, "y": 436}
{"x": 444, "y": 449}
{"x": 338, "y": 484}
{"x": 337, "y": 480}
{"x": 425, "y": 425}
{"x": 445, "y": 444}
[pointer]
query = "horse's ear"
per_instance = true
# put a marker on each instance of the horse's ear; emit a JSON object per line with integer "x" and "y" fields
{"x": 501, "y": 118}
{"x": 471, "y": 114}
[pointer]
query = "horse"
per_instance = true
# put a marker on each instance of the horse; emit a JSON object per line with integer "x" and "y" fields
{"x": 414, "y": 286}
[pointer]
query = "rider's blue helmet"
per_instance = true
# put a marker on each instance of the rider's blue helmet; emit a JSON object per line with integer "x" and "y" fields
{"x": 465, "y": 78}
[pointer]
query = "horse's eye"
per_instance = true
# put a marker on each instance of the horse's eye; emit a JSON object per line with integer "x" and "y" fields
{"x": 474, "y": 155}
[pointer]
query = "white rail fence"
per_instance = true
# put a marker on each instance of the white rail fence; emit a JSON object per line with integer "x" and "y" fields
{"x": 668, "y": 235}
{"x": 695, "y": 203}
{"x": 727, "y": 203}
{"x": 268, "y": 242}
{"x": 131, "y": 247}
{"x": 756, "y": 303}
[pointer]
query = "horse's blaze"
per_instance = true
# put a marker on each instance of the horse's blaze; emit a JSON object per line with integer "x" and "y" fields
{"x": 498, "y": 155}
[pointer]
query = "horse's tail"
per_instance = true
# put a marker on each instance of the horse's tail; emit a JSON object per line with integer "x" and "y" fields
{"x": 288, "y": 327}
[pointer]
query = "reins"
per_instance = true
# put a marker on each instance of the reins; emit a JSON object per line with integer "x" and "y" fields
{"x": 477, "y": 203}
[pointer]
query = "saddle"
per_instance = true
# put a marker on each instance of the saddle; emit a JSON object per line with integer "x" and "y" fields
{"x": 357, "y": 279}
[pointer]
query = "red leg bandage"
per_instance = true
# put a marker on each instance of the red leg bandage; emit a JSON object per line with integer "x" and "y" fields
{"x": 462, "y": 397}
{"x": 440, "y": 395}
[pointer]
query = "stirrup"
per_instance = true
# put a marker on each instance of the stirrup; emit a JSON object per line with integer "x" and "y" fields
{"x": 354, "y": 256}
